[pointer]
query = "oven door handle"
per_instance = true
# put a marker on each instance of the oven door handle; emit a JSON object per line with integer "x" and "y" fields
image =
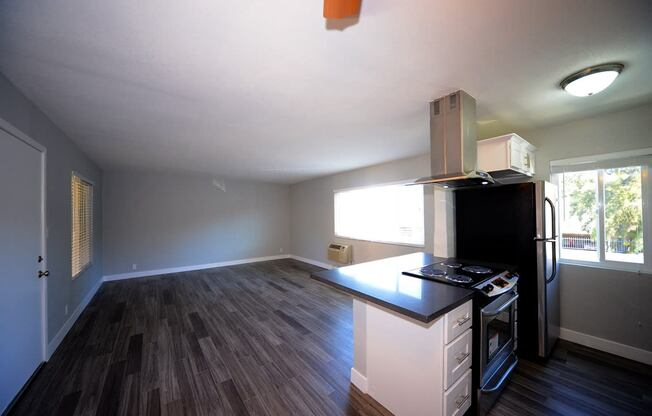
{"x": 503, "y": 378}
{"x": 494, "y": 312}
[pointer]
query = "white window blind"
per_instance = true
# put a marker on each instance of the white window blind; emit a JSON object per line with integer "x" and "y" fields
{"x": 82, "y": 224}
{"x": 386, "y": 214}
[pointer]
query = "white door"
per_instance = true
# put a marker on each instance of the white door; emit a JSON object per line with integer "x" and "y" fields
{"x": 21, "y": 239}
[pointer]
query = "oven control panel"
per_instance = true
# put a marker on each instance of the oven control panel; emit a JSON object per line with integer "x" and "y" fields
{"x": 498, "y": 284}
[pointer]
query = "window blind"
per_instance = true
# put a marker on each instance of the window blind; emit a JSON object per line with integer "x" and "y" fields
{"x": 82, "y": 224}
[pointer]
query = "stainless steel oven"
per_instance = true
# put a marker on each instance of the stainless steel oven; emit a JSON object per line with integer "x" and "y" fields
{"x": 497, "y": 344}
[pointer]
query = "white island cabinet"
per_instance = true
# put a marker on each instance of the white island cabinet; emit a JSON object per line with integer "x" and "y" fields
{"x": 412, "y": 337}
{"x": 410, "y": 367}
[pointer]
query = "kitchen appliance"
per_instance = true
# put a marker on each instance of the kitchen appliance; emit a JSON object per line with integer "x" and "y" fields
{"x": 494, "y": 320}
{"x": 492, "y": 280}
{"x": 453, "y": 143}
{"x": 516, "y": 224}
{"x": 495, "y": 337}
{"x": 340, "y": 253}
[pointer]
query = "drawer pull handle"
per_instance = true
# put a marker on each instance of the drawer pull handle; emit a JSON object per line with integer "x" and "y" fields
{"x": 463, "y": 320}
{"x": 460, "y": 402}
{"x": 460, "y": 359}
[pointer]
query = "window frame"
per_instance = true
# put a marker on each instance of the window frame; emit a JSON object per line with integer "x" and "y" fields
{"x": 92, "y": 231}
{"x": 646, "y": 209}
{"x": 405, "y": 182}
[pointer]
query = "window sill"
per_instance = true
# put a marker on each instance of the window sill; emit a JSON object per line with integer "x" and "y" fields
{"x": 381, "y": 242}
{"x": 634, "y": 268}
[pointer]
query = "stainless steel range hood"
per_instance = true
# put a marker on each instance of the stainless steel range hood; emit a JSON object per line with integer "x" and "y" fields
{"x": 453, "y": 145}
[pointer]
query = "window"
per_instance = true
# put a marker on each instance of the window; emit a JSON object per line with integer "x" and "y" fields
{"x": 386, "y": 214}
{"x": 605, "y": 209}
{"x": 82, "y": 224}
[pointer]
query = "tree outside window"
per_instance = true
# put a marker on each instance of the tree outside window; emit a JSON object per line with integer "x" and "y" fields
{"x": 610, "y": 199}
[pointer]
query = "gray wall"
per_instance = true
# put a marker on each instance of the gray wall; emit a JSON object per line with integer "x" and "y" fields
{"x": 62, "y": 158}
{"x": 312, "y": 210}
{"x": 609, "y": 304}
{"x": 160, "y": 221}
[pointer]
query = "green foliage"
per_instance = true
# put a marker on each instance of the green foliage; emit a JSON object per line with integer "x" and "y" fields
{"x": 623, "y": 208}
{"x": 623, "y": 205}
{"x": 581, "y": 188}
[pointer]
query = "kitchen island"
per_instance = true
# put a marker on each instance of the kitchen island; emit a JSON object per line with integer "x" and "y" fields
{"x": 412, "y": 337}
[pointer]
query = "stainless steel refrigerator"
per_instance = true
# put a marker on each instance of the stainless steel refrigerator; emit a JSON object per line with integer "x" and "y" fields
{"x": 517, "y": 224}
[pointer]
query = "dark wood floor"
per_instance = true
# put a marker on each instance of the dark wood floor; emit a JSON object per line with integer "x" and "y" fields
{"x": 578, "y": 380}
{"x": 265, "y": 339}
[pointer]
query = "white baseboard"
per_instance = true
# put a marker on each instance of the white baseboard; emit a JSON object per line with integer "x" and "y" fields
{"x": 359, "y": 380}
{"x": 146, "y": 273}
{"x": 612, "y": 347}
{"x": 63, "y": 331}
{"x": 313, "y": 262}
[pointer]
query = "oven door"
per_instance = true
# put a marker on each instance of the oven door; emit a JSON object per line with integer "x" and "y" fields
{"x": 497, "y": 336}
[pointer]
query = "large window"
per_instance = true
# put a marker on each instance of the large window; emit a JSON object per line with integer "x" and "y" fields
{"x": 605, "y": 210}
{"x": 82, "y": 224}
{"x": 387, "y": 214}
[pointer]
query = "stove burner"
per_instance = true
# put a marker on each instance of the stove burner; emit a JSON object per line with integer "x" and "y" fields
{"x": 431, "y": 271}
{"x": 452, "y": 264}
{"x": 477, "y": 269}
{"x": 458, "y": 278}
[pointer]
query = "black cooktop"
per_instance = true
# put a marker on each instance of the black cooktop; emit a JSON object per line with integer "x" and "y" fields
{"x": 457, "y": 272}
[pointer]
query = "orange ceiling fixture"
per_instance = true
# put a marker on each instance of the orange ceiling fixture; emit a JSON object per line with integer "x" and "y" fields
{"x": 339, "y": 9}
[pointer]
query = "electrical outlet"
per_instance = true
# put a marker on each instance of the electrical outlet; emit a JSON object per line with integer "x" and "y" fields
{"x": 280, "y": 250}
{"x": 66, "y": 310}
{"x": 134, "y": 266}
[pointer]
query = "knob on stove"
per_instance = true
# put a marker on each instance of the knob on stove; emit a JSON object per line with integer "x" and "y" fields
{"x": 487, "y": 288}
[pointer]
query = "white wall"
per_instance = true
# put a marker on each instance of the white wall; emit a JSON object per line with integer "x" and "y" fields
{"x": 312, "y": 215}
{"x": 160, "y": 221}
{"x": 63, "y": 157}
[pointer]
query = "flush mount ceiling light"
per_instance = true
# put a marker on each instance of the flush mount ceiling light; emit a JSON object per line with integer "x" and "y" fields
{"x": 591, "y": 80}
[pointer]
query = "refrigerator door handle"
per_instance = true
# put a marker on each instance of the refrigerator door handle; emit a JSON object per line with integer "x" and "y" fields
{"x": 554, "y": 262}
{"x": 554, "y": 219}
{"x": 552, "y": 239}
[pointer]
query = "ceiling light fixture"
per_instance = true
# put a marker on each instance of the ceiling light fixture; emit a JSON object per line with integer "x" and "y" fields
{"x": 339, "y": 9}
{"x": 591, "y": 80}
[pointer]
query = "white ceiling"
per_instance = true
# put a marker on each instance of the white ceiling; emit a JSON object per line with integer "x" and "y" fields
{"x": 260, "y": 89}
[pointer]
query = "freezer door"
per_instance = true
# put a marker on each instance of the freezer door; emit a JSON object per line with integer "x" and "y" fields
{"x": 547, "y": 266}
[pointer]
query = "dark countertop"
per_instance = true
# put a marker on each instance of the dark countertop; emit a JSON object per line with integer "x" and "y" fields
{"x": 382, "y": 283}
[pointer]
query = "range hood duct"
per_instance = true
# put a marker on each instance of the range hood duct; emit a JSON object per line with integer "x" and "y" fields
{"x": 453, "y": 144}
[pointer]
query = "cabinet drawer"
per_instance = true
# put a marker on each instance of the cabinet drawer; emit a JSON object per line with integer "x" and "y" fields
{"x": 457, "y": 399}
{"x": 457, "y": 321}
{"x": 457, "y": 356}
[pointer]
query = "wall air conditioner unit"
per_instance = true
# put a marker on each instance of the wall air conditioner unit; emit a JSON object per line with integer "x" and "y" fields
{"x": 340, "y": 253}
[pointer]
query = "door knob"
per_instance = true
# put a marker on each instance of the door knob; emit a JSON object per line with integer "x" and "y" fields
{"x": 42, "y": 274}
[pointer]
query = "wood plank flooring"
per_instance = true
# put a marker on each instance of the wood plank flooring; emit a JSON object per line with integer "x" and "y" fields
{"x": 578, "y": 380}
{"x": 265, "y": 339}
